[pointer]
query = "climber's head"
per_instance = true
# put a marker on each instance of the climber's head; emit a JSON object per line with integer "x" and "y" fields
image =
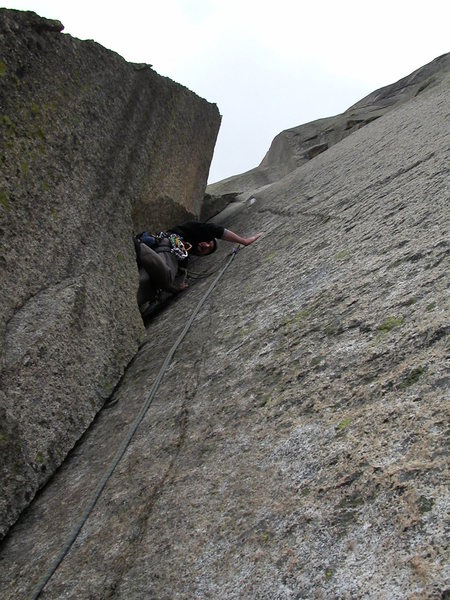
{"x": 204, "y": 248}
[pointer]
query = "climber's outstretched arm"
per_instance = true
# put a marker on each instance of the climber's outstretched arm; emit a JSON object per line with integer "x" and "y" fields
{"x": 229, "y": 236}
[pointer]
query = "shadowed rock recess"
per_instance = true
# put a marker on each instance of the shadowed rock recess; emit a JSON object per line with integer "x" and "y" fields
{"x": 296, "y": 448}
{"x": 92, "y": 149}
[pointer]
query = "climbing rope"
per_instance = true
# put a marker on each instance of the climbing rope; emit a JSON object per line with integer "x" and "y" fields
{"x": 189, "y": 274}
{"x": 126, "y": 442}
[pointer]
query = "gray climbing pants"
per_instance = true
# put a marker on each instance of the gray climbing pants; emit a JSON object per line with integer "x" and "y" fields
{"x": 157, "y": 272}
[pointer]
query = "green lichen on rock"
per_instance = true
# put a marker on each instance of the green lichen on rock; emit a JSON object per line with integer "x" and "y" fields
{"x": 410, "y": 301}
{"x": 425, "y": 504}
{"x": 298, "y": 317}
{"x": 317, "y": 360}
{"x": 302, "y": 315}
{"x": 343, "y": 254}
{"x": 412, "y": 378}
{"x": 4, "y": 200}
{"x": 389, "y": 324}
{"x": 343, "y": 424}
{"x": 6, "y": 121}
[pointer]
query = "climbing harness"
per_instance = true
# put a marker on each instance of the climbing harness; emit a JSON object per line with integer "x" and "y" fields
{"x": 177, "y": 245}
{"x": 126, "y": 442}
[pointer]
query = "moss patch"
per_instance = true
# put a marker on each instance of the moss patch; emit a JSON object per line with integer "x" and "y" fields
{"x": 300, "y": 316}
{"x": 317, "y": 360}
{"x": 425, "y": 504}
{"x": 413, "y": 377}
{"x": 4, "y": 199}
{"x": 410, "y": 301}
{"x": 389, "y": 324}
{"x": 343, "y": 424}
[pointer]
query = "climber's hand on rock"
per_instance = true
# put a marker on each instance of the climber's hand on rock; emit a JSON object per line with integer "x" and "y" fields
{"x": 251, "y": 239}
{"x": 230, "y": 236}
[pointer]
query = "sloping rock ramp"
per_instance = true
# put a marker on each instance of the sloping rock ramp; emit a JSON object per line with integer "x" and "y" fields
{"x": 294, "y": 147}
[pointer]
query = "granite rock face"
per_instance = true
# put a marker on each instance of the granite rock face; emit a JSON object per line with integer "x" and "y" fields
{"x": 92, "y": 149}
{"x": 297, "y": 446}
{"x": 294, "y": 147}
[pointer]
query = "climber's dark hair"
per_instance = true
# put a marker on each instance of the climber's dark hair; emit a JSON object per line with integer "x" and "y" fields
{"x": 214, "y": 241}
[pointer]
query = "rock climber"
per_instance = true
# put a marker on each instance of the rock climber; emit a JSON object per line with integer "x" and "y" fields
{"x": 159, "y": 257}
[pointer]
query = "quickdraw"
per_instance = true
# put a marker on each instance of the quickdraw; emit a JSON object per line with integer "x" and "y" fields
{"x": 177, "y": 245}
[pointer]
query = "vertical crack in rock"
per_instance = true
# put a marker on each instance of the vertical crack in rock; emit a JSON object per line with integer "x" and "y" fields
{"x": 140, "y": 513}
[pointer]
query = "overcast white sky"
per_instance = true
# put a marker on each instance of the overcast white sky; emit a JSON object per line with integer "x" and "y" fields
{"x": 268, "y": 65}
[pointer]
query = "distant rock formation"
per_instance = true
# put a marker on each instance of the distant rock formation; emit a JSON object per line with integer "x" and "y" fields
{"x": 92, "y": 149}
{"x": 294, "y": 147}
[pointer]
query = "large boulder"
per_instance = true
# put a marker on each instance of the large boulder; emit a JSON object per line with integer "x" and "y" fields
{"x": 92, "y": 149}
